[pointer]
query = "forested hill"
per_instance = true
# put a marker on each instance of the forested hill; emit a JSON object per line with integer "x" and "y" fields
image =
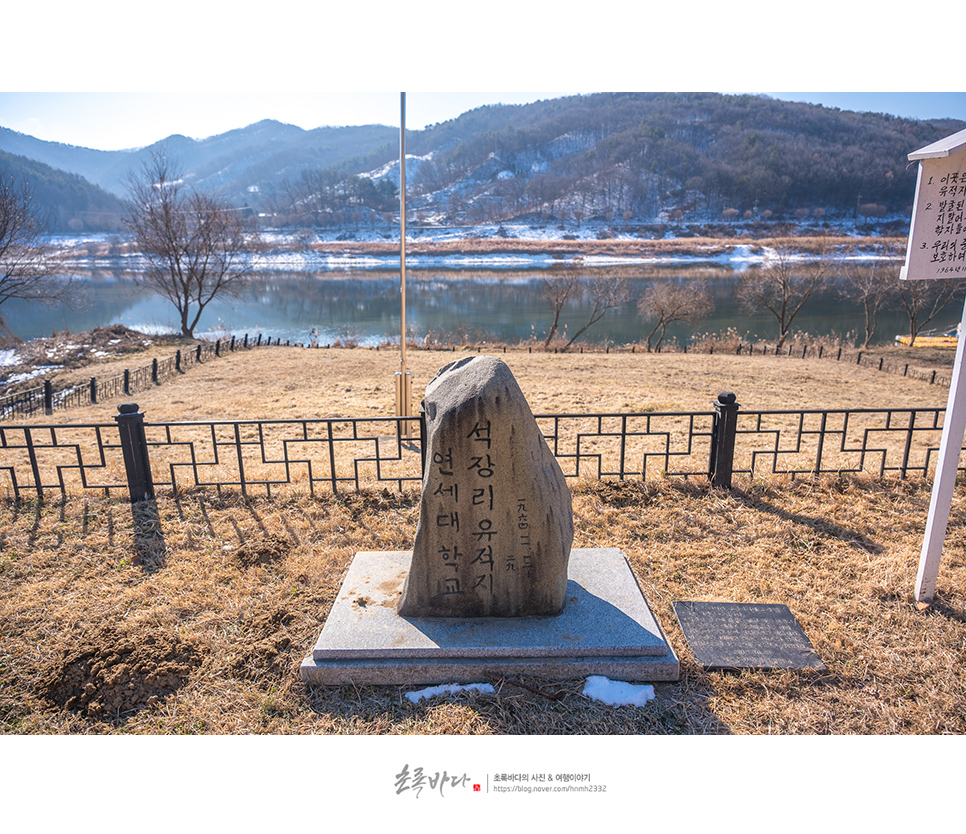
{"x": 68, "y": 202}
{"x": 698, "y": 152}
{"x": 632, "y": 157}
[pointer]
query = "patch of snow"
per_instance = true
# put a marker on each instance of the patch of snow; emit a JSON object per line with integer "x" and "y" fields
{"x": 598, "y": 688}
{"x": 618, "y": 693}
{"x": 9, "y": 357}
{"x": 449, "y": 689}
{"x": 38, "y": 371}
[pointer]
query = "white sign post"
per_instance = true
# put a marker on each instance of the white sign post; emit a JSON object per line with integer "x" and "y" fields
{"x": 936, "y": 250}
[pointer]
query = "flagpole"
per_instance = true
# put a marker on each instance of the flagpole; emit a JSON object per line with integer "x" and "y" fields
{"x": 402, "y": 222}
{"x": 403, "y": 378}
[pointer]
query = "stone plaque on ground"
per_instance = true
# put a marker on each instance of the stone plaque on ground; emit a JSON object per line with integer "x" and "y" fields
{"x": 731, "y": 635}
{"x": 496, "y": 519}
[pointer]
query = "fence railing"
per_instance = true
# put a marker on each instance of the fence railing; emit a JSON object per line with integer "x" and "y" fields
{"x": 343, "y": 453}
{"x": 44, "y": 399}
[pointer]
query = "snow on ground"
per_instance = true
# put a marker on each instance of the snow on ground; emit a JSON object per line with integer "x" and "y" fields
{"x": 618, "y": 693}
{"x": 8, "y": 357}
{"x": 739, "y": 257}
{"x": 292, "y": 249}
{"x": 597, "y": 688}
{"x": 40, "y": 370}
{"x": 449, "y": 689}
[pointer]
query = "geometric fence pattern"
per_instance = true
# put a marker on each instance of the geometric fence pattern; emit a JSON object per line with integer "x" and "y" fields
{"x": 267, "y": 457}
{"x": 871, "y": 441}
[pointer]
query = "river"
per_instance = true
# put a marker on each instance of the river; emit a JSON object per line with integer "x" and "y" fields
{"x": 362, "y": 306}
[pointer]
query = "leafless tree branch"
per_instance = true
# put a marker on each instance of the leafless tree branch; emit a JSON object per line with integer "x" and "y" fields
{"x": 195, "y": 245}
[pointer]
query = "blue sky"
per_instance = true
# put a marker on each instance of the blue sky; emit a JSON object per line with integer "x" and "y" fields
{"x": 314, "y": 63}
{"x": 111, "y": 121}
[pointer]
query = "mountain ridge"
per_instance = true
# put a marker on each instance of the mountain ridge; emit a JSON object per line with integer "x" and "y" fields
{"x": 643, "y": 157}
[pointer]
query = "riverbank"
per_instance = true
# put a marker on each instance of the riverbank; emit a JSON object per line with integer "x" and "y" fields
{"x": 484, "y": 246}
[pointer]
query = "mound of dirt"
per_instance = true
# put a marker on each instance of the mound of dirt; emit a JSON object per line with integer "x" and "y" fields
{"x": 115, "y": 672}
{"x": 622, "y": 493}
{"x": 74, "y": 350}
{"x": 270, "y": 646}
{"x": 262, "y": 550}
{"x": 373, "y": 501}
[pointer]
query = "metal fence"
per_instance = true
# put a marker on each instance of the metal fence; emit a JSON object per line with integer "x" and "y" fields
{"x": 266, "y": 457}
{"x": 44, "y": 399}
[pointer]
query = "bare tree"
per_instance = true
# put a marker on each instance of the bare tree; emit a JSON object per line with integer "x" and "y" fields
{"x": 557, "y": 291}
{"x": 195, "y": 245}
{"x": 666, "y": 302}
{"x": 874, "y": 287}
{"x": 29, "y": 268}
{"x": 603, "y": 292}
{"x": 784, "y": 285}
{"x": 924, "y": 300}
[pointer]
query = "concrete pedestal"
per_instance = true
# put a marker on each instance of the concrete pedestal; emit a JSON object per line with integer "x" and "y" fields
{"x": 606, "y": 628}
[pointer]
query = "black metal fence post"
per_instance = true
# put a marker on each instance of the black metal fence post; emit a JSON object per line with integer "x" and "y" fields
{"x": 127, "y": 381}
{"x": 134, "y": 445}
{"x": 154, "y": 371}
{"x": 48, "y": 397}
{"x": 93, "y": 390}
{"x": 723, "y": 431}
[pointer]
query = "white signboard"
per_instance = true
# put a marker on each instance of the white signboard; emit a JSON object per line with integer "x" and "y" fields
{"x": 937, "y": 236}
{"x": 937, "y": 250}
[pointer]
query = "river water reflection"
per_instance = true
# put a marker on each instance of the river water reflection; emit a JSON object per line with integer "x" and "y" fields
{"x": 364, "y": 306}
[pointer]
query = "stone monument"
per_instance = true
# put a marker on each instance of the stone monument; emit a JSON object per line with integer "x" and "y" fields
{"x": 492, "y": 585}
{"x": 495, "y": 521}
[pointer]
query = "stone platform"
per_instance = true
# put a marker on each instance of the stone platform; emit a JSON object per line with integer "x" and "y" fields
{"x": 606, "y": 628}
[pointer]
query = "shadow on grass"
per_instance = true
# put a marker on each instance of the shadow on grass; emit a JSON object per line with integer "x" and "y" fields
{"x": 148, "y": 539}
{"x": 939, "y": 607}
{"x": 818, "y": 524}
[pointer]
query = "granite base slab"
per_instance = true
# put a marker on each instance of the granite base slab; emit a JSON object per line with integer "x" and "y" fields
{"x": 606, "y": 628}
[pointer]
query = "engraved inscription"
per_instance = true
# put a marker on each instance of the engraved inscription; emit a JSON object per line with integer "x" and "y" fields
{"x": 477, "y": 550}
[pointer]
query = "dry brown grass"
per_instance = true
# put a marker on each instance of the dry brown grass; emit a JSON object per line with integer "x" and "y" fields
{"x": 703, "y": 246}
{"x": 281, "y": 382}
{"x": 192, "y": 614}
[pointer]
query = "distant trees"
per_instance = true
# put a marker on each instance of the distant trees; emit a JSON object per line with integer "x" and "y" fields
{"x": 875, "y": 287}
{"x": 29, "y": 268}
{"x": 194, "y": 244}
{"x": 924, "y": 300}
{"x": 648, "y": 154}
{"x": 666, "y": 302}
{"x": 603, "y": 293}
{"x": 784, "y": 285}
